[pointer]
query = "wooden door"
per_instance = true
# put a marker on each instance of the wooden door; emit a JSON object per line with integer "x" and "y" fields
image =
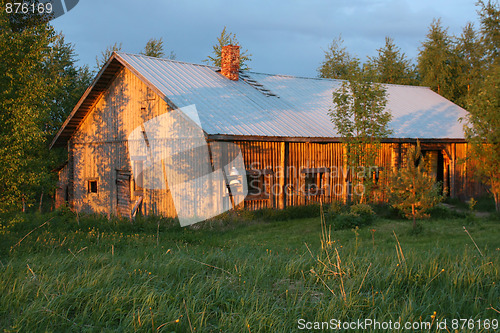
{"x": 123, "y": 199}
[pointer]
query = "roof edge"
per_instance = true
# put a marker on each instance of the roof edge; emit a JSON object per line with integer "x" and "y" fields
{"x": 115, "y": 56}
{"x": 231, "y": 137}
{"x": 89, "y": 89}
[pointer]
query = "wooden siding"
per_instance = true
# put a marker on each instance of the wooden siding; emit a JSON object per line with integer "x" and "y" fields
{"x": 62, "y": 189}
{"x": 99, "y": 146}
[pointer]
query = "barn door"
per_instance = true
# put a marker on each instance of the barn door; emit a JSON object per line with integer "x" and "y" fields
{"x": 123, "y": 193}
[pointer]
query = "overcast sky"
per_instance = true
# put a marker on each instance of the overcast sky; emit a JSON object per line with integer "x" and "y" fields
{"x": 283, "y": 36}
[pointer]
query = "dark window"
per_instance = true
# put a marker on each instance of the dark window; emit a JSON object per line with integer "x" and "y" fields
{"x": 92, "y": 186}
{"x": 376, "y": 174}
{"x": 255, "y": 184}
{"x": 313, "y": 180}
{"x": 138, "y": 175}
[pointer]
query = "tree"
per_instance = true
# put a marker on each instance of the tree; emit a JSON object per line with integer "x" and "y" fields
{"x": 391, "y": 66}
{"x": 361, "y": 120}
{"x": 482, "y": 127}
{"x": 154, "y": 48}
{"x": 106, "y": 54}
{"x": 25, "y": 97}
{"x": 489, "y": 15}
{"x": 39, "y": 86}
{"x": 470, "y": 64}
{"x": 69, "y": 80}
{"x": 436, "y": 61}
{"x": 483, "y": 131}
{"x": 412, "y": 189}
{"x": 227, "y": 38}
{"x": 338, "y": 63}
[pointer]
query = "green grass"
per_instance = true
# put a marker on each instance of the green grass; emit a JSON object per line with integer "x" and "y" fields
{"x": 250, "y": 276}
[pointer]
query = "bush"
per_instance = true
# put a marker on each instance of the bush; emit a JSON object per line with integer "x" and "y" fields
{"x": 443, "y": 212}
{"x": 356, "y": 216}
{"x": 289, "y": 213}
{"x": 363, "y": 210}
{"x": 386, "y": 211}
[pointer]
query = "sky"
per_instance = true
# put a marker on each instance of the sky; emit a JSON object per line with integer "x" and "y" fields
{"x": 283, "y": 36}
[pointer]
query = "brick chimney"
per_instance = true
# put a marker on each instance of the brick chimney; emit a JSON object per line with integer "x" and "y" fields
{"x": 230, "y": 62}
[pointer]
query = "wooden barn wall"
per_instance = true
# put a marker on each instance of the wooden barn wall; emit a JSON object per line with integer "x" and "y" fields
{"x": 262, "y": 156}
{"x": 288, "y": 160}
{"x": 468, "y": 183}
{"x": 460, "y": 179}
{"x": 99, "y": 147}
{"x": 62, "y": 186}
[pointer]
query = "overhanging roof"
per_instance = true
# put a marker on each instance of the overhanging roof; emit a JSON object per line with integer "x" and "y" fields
{"x": 265, "y": 105}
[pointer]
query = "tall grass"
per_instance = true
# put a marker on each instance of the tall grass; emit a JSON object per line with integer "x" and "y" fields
{"x": 97, "y": 275}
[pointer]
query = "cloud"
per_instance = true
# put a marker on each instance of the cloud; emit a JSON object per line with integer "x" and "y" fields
{"x": 283, "y": 36}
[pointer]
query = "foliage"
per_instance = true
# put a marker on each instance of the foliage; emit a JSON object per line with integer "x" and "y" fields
{"x": 391, "y": 66}
{"x": 39, "y": 85}
{"x": 483, "y": 130}
{"x": 25, "y": 102}
{"x": 412, "y": 189}
{"x": 443, "y": 212}
{"x": 489, "y": 14}
{"x": 358, "y": 215}
{"x": 338, "y": 63}
{"x": 437, "y": 61}
{"x": 361, "y": 119}
{"x": 470, "y": 65}
{"x": 106, "y": 54}
{"x": 227, "y": 38}
{"x": 69, "y": 82}
{"x": 154, "y": 48}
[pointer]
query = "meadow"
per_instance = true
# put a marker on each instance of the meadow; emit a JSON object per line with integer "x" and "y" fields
{"x": 61, "y": 272}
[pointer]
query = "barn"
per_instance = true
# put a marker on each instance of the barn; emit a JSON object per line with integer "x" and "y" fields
{"x": 276, "y": 125}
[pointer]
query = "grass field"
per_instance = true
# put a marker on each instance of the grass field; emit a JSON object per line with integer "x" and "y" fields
{"x": 91, "y": 274}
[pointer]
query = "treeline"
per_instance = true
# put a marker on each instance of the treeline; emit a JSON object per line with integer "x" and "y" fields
{"x": 453, "y": 66}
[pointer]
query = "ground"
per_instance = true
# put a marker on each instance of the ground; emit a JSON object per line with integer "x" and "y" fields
{"x": 91, "y": 274}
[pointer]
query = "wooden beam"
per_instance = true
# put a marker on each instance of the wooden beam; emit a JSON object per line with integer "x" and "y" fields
{"x": 230, "y": 137}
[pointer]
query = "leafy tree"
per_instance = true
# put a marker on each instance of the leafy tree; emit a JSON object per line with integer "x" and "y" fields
{"x": 154, "y": 48}
{"x": 339, "y": 63}
{"x": 489, "y": 14}
{"x": 39, "y": 85}
{"x": 227, "y": 38}
{"x": 412, "y": 189}
{"x": 361, "y": 120}
{"x": 470, "y": 64}
{"x": 391, "y": 66}
{"x": 106, "y": 54}
{"x": 69, "y": 82}
{"x": 483, "y": 130}
{"x": 436, "y": 61}
{"x": 25, "y": 97}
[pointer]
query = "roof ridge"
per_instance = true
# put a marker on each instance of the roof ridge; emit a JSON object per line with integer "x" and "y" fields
{"x": 260, "y": 73}
{"x": 167, "y": 60}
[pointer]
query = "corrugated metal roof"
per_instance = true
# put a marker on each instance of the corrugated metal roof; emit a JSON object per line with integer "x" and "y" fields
{"x": 271, "y": 105}
{"x": 299, "y": 109}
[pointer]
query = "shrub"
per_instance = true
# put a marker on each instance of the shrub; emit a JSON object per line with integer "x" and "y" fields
{"x": 443, "y": 212}
{"x": 386, "y": 211}
{"x": 363, "y": 210}
{"x": 357, "y": 216}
